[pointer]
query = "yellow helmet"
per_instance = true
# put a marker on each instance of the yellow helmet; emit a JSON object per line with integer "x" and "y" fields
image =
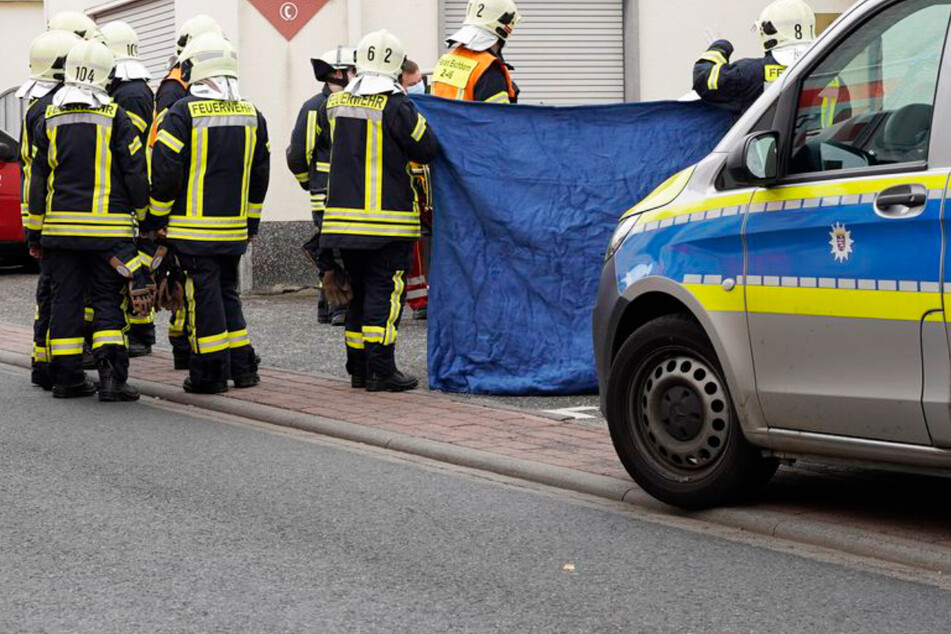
{"x": 497, "y": 16}
{"x": 198, "y": 25}
{"x": 208, "y": 55}
{"x": 89, "y": 65}
{"x": 381, "y": 53}
{"x": 79, "y": 23}
{"x": 48, "y": 54}
{"x": 121, "y": 39}
{"x": 786, "y": 22}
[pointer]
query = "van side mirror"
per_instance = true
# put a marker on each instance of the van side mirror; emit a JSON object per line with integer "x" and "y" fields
{"x": 756, "y": 160}
{"x": 8, "y": 153}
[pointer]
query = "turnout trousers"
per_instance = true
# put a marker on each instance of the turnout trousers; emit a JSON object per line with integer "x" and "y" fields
{"x": 74, "y": 275}
{"x": 41, "y": 322}
{"x": 218, "y": 334}
{"x": 379, "y": 290}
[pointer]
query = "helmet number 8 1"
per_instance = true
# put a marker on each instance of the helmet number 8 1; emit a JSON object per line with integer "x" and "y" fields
{"x": 85, "y": 74}
{"x": 371, "y": 55}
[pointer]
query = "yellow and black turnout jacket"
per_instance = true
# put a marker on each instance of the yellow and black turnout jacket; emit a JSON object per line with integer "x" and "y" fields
{"x": 88, "y": 178}
{"x": 34, "y": 114}
{"x": 138, "y": 101}
{"x": 308, "y": 165}
{"x": 210, "y": 171}
{"x": 372, "y": 140}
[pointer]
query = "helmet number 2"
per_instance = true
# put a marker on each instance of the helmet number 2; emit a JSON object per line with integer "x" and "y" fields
{"x": 85, "y": 74}
{"x": 371, "y": 55}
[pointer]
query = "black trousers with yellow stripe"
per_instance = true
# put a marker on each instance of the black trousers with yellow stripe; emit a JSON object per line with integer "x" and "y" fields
{"x": 41, "y": 321}
{"x": 373, "y": 318}
{"x": 73, "y": 275}
{"x": 220, "y": 345}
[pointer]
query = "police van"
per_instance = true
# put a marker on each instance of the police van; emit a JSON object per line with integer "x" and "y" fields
{"x": 785, "y": 298}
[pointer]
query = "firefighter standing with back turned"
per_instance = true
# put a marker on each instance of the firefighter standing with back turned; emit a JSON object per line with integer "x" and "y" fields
{"x": 130, "y": 90}
{"x": 89, "y": 178}
{"x": 474, "y": 69}
{"x": 210, "y": 169}
{"x": 311, "y": 167}
{"x": 374, "y": 131}
{"x": 173, "y": 88}
{"x": 787, "y": 29}
{"x": 47, "y": 72}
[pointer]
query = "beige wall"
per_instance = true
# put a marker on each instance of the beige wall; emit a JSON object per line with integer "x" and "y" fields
{"x": 277, "y": 76}
{"x": 20, "y": 22}
{"x": 673, "y": 33}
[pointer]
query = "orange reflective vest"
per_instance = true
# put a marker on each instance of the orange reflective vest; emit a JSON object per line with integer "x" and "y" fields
{"x": 460, "y": 70}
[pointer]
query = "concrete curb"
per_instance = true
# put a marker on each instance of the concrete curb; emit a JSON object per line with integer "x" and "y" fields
{"x": 844, "y": 539}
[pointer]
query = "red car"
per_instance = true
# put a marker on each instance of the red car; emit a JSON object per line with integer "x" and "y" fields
{"x": 12, "y": 240}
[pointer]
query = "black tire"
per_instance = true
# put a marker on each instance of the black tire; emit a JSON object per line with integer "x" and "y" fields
{"x": 673, "y": 422}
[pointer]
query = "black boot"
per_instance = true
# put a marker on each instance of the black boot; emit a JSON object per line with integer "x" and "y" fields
{"x": 137, "y": 349}
{"x": 358, "y": 381}
{"x": 111, "y": 388}
{"x": 80, "y": 390}
{"x": 396, "y": 382}
{"x": 205, "y": 388}
{"x": 246, "y": 380}
{"x": 40, "y": 376}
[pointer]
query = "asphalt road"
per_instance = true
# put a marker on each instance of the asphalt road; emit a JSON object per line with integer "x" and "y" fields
{"x": 286, "y": 334}
{"x": 135, "y": 518}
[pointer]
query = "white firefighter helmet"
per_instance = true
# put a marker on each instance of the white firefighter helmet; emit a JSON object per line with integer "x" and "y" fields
{"x": 209, "y": 55}
{"x": 48, "y": 54}
{"x": 79, "y": 23}
{"x": 487, "y": 22}
{"x": 198, "y": 25}
{"x": 340, "y": 58}
{"x": 89, "y": 65}
{"x": 381, "y": 53}
{"x": 121, "y": 39}
{"x": 786, "y": 23}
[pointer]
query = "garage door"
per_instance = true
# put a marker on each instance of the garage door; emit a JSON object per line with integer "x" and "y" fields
{"x": 564, "y": 51}
{"x": 154, "y": 21}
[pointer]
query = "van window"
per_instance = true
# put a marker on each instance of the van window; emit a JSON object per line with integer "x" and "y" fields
{"x": 870, "y": 102}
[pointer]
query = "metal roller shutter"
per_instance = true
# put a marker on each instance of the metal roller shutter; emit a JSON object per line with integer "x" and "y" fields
{"x": 154, "y": 21}
{"x": 564, "y": 51}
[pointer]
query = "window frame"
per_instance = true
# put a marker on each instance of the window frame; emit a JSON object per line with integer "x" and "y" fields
{"x": 788, "y": 106}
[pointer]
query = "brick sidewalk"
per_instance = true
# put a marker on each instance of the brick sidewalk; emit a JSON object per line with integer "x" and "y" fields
{"x": 849, "y": 499}
{"x": 431, "y": 416}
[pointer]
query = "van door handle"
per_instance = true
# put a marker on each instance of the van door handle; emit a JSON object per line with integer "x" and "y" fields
{"x": 901, "y": 201}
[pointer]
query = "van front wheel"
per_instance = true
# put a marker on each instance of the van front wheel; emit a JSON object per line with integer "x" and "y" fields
{"x": 673, "y": 422}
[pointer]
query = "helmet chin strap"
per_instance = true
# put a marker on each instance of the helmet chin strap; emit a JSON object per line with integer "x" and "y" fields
{"x": 337, "y": 81}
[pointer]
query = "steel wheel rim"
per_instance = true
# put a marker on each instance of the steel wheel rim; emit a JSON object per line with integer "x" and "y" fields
{"x": 680, "y": 413}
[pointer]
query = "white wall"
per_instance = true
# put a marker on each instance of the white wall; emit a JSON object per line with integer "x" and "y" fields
{"x": 20, "y": 22}
{"x": 674, "y": 33}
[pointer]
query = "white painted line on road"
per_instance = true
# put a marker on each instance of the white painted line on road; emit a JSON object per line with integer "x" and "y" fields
{"x": 578, "y": 413}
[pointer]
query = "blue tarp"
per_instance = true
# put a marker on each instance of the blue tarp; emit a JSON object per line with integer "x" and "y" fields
{"x": 526, "y": 200}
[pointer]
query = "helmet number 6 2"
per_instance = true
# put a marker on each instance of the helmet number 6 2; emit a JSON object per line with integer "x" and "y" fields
{"x": 371, "y": 55}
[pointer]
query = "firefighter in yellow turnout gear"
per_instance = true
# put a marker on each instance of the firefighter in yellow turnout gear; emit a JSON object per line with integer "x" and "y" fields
{"x": 130, "y": 90}
{"x": 170, "y": 91}
{"x": 210, "y": 169}
{"x": 47, "y": 71}
{"x": 374, "y": 131}
{"x": 89, "y": 179}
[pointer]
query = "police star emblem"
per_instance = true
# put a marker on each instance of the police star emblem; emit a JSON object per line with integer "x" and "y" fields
{"x": 841, "y": 242}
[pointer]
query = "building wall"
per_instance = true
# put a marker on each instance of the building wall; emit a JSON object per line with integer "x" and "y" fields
{"x": 22, "y": 21}
{"x": 674, "y": 33}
